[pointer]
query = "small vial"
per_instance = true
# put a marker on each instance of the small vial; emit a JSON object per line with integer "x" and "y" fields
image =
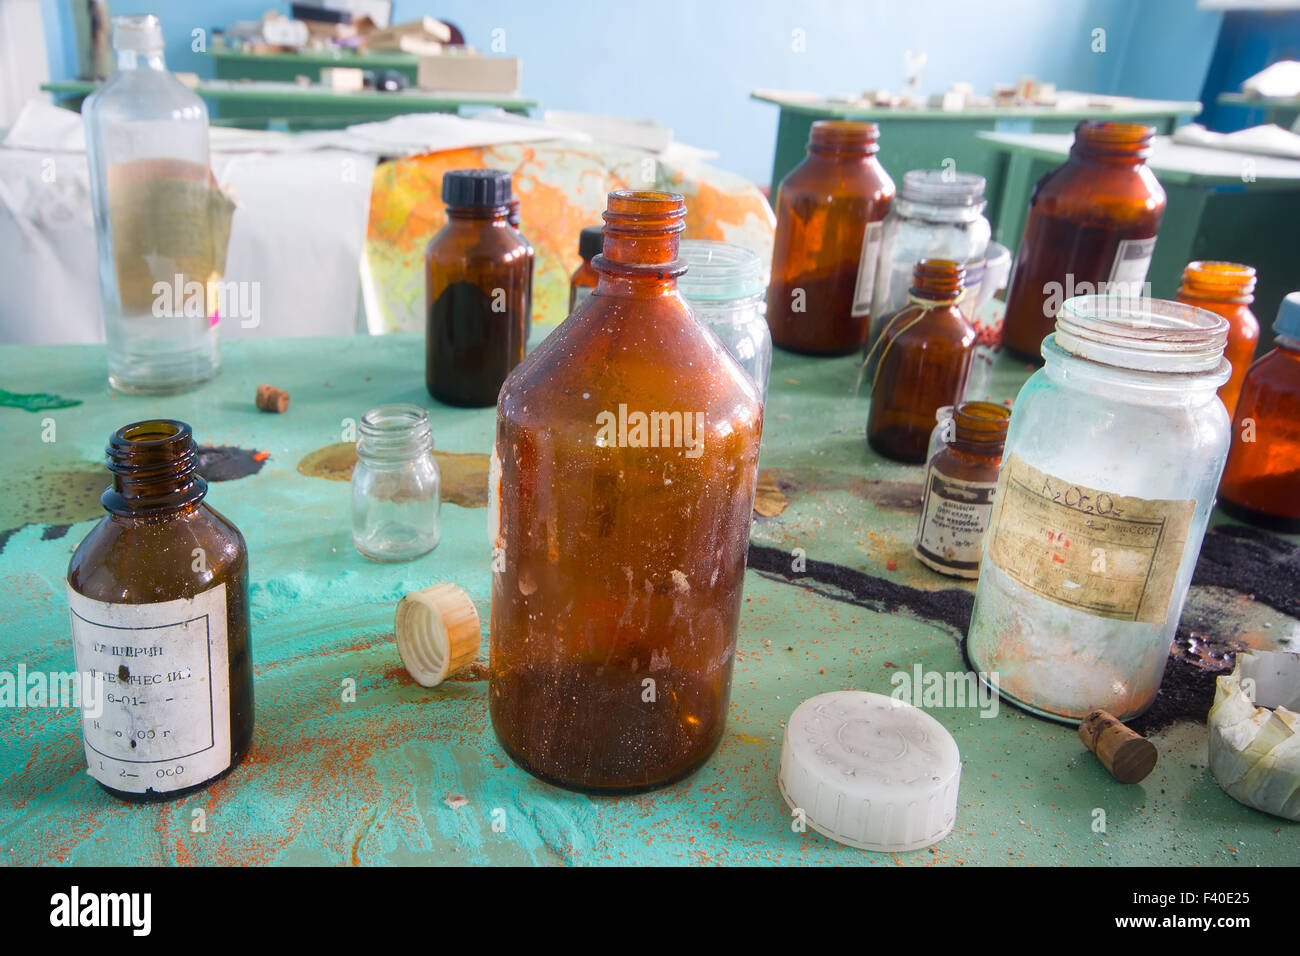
{"x": 583, "y": 283}
{"x": 396, "y": 486}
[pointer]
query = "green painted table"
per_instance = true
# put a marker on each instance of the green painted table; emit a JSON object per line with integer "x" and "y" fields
{"x": 1282, "y": 110}
{"x": 924, "y": 138}
{"x": 238, "y": 65}
{"x": 255, "y": 104}
{"x": 378, "y": 779}
{"x": 1220, "y": 205}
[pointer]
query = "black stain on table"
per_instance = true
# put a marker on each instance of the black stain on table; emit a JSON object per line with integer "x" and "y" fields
{"x": 229, "y": 462}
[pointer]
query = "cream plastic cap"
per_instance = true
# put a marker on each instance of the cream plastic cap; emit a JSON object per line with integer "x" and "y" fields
{"x": 870, "y": 771}
{"x": 437, "y": 633}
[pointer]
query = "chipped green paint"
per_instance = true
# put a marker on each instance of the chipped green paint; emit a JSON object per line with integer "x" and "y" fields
{"x": 35, "y": 401}
{"x": 372, "y": 781}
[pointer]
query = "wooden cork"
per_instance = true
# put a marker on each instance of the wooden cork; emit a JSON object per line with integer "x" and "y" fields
{"x": 271, "y": 399}
{"x": 1128, "y": 756}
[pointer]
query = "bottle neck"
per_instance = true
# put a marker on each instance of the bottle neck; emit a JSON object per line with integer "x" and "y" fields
{"x": 135, "y": 60}
{"x": 482, "y": 214}
{"x": 937, "y": 282}
{"x": 394, "y": 435}
{"x": 641, "y": 242}
{"x": 1226, "y": 282}
{"x": 154, "y": 469}
{"x": 843, "y": 139}
{"x": 979, "y": 429}
{"x": 1122, "y": 144}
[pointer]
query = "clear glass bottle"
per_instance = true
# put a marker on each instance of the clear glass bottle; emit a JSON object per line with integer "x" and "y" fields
{"x": 1112, "y": 457}
{"x": 724, "y": 285}
{"x": 1261, "y": 483}
{"x": 829, "y": 214}
{"x": 158, "y": 593}
{"x": 1091, "y": 220}
{"x": 960, "y": 480}
{"x": 937, "y": 214}
{"x": 621, "y": 495}
{"x": 478, "y": 277}
{"x": 158, "y": 219}
{"x": 1227, "y": 289}
{"x": 583, "y": 281}
{"x": 925, "y": 357}
{"x": 396, "y": 486}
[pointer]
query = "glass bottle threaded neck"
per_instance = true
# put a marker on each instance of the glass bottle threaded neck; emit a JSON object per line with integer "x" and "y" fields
{"x": 1144, "y": 335}
{"x": 154, "y": 466}
{"x": 980, "y": 427}
{"x": 394, "y": 434}
{"x": 641, "y": 234}
{"x": 1100, "y": 140}
{"x": 843, "y": 136}
{"x": 1219, "y": 282}
{"x": 937, "y": 281}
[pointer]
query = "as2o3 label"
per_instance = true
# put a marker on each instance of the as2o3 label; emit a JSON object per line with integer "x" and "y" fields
{"x": 164, "y": 676}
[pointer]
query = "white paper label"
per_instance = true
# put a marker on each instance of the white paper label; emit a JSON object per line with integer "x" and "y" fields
{"x": 866, "y": 284}
{"x": 954, "y": 519}
{"x": 1132, "y": 260}
{"x": 164, "y": 676}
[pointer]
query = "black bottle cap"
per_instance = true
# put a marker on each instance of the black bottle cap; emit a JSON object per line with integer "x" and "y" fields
{"x": 591, "y": 241}
{"x": 476, "y": 187}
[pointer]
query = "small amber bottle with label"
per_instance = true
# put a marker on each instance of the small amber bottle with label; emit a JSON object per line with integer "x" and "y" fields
{"x": 830, "y": 212}
{"x": 477, "y": 282}
{"x": 925, "y": 355}
{"x": 590, "y": 241}
{"x": 158, "y": 593}
{"x": 1226, "y": 288}
{"x": 959, "y": 487}
{"x": 1091, "y": 230}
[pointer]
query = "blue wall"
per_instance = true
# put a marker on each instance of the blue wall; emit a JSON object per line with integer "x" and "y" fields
{"x": 692, "y": 63}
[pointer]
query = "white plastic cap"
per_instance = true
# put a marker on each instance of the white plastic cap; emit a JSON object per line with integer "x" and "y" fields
{"x": 138, "y": 33}
{"x": 870, "y": 771}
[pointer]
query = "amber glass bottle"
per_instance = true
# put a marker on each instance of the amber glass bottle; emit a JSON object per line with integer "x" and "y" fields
{"x": 959, "y": 487}
{"x": 1261, "y": 481}
{"x": 622, "y": 486}
{"x": 159, "y": 599}
{"x": 583, "y": 282}
{"x": 477, "y": 279}
{"x": 925, "y": 355}
{"x": 1226, "y": 289}
{"x": 515, "y": 218}
{"x": 830, "y": 211}
{"x": 1091, "y": 220}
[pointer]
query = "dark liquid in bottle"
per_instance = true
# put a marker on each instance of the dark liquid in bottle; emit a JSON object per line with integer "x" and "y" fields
{"x": 474, "y": 340}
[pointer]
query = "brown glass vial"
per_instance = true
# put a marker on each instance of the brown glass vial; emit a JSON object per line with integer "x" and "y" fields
{"x": 1261, "y": 481}
{"x": 960, "y": 482}
{"x": 830, "y": 212}
{"x": 1091, "y": 220}
{"x": 583, "y": 281}
{"x": 158, "y": 593}
{"x": 1226, "y": 289}
{"x": 622, "y": 487}
{"x": 515, "y": 218}
{"x": 478, "y": 277}
{"x": 925, "y": 355}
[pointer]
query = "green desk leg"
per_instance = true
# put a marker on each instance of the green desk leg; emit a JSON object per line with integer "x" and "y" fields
{"x": 792, "y": 131}
{"x": 1180, "y": 235}
{"x": 1017, "y": 186}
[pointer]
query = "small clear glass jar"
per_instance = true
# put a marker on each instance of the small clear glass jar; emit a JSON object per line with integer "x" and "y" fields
{"x": 396, "y": 487}
{"x": 725, "y": 288}
{"x": 1113, "y": 454}
{"x": 937, "y": 215}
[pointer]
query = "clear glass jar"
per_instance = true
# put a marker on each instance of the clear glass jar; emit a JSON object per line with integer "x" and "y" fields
{"x": 725, "y": 287}
{"x": 396, "y": 487}
{"x": 936, "y": 215}
{"x": 1112, "y": 456}
{"x": 157, "y": 222}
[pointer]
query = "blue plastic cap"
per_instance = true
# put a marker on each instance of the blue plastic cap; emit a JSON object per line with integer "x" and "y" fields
{"x": 1288, "y": 317}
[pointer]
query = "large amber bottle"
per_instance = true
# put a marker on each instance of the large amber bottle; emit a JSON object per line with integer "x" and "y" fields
{"x": 159, "y": 600}
{"x": 1092, "y": 220}
{"x": 830, "y": 212}
{"x": 1227, "y": 289}
{"x": 622, "y": 487}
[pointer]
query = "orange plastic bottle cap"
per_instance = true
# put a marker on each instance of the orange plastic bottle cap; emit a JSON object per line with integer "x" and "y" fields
{"x": 437, "y": 633}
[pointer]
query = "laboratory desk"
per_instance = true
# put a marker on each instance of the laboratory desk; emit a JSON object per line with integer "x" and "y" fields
{"x": 1221, "y": 204}
{"x": 924, "y": 138}
{"x": 260, "y": 104}
{"x": 230, "y": 64}
{"x": 1281, "y": 110}
{"x": 354, "y": 763}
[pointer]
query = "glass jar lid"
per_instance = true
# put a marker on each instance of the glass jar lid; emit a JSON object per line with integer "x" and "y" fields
{"x": 939, "y": 187}
{"x": 719, "y": 271}
{"x": 1147, "y": 335}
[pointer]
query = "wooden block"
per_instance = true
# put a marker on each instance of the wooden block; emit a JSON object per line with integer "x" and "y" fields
{"x": 454, "y": 73}
{"x": 347, "y": 79}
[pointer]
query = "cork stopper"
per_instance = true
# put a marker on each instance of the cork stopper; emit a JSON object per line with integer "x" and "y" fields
{"x": 437, "y": 633}
{"x": 1127, "y": 755}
